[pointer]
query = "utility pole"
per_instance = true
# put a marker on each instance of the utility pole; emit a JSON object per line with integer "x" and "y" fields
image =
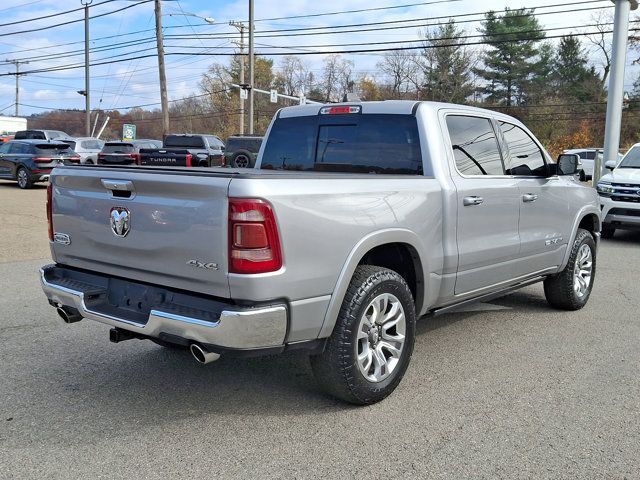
{"x": 87, "y": 96}
{"x": 241, "y": 26}
{"x": 17, "y": 63}
{"x": 251, "y": 67}
{"x": 163, "y": 78}
{"x": 615, "y": 92}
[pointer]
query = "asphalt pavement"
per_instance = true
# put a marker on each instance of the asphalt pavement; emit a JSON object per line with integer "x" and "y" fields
{"x": 510, "y": 390}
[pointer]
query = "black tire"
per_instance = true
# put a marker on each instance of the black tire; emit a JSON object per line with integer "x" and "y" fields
{"x": 242, "y": 159}
{"x": 89, "y": 162}
{"x": 607, "y": 231}
{"x": 559, "y": 289}
{"x": 23, "y": 178}
{"x": 173, "y": 346}
{"x": 336, "y": 368}
{"x": 583, "y": 177}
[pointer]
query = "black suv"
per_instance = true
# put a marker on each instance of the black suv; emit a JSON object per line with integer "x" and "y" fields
{"x": 242, "y": 150}
{"x": 30, "y": 161}
{"x": 125, "y": 153}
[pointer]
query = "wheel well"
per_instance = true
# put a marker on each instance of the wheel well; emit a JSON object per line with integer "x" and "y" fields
{"x": 590, "y": 223}
{"x": 403, "y": 259}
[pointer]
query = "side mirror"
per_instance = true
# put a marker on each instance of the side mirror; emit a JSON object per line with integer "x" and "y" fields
{"x": 568, "y": 164}
{"x": 610, "y": 164}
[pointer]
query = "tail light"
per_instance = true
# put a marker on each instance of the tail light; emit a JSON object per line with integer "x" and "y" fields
{"x": 42, "y": 159}
{"x": 50, "y": 211}
{"x": 100, "y": 157}
{"x": 254, "y": 243}
{"x": 187, "y": 159}
{"x": 135, "y": 157}
{"x": 74, "y": 159}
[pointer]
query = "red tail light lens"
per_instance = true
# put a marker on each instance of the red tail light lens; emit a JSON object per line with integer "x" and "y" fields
{"x": 50, "y": 211}
{"x": 42, "y": 159}
{"x": 136, "y": 158}
{"x": 188, "y": 160}
{"x": 254, "y": 243}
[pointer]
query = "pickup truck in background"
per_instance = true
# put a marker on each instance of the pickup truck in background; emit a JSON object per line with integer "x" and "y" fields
{"x": 358, "y": 219}
{"x": 186, "y": 150}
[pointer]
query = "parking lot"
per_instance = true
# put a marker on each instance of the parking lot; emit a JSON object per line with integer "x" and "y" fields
{"x": 510, "y": 389}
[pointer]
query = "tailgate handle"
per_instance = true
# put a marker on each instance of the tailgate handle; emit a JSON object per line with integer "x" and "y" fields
{"x": 117, "y": 185}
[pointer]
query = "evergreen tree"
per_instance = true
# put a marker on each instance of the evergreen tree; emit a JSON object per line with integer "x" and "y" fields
{"x": 574, "y": 79}
{"x": 514, "y": 57}
{"x": 447, "y": 65}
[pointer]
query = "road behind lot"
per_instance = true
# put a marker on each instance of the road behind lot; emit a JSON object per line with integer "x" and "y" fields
{"x": 513, "y": 390}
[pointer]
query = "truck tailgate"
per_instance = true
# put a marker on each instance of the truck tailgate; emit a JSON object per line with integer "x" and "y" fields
{"x": 177, "y": 233}
{"x": 165, "y": 157}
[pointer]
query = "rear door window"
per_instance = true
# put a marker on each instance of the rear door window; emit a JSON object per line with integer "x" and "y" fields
{"x": 351, "y": 143}
{"x": 475, "y": 145}
{"x": 19, "y": 148}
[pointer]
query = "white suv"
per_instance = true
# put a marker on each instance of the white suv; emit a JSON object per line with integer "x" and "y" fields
{"x": 619, "y": 193}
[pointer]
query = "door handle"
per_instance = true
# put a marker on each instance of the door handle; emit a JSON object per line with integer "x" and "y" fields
{"x": 468, "y": 201}
{"x": 529, "y": 197}
{"x": 121, "y": 185}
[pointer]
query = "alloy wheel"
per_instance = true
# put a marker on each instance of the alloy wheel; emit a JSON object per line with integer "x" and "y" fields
{"x": 381, "y": 337}
{"x": 582, "y": 271}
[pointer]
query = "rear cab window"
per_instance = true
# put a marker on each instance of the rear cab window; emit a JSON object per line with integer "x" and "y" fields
{"x": 351, "y": 143}
{"x": 191, "y": 141}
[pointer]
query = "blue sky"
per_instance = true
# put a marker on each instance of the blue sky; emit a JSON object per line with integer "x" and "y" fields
{"x": 135, "y": 82}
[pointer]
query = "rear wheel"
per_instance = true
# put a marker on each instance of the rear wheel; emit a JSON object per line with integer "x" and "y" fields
{"x": 371, "y": 345}
{"x": 571, "y": 288}
{"x": 241, "y": 159}
{"x": 607, "y": 231}
{"x": 23, "y": 178}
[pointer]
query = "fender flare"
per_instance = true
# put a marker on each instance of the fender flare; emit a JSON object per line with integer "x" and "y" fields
{"x": 370, "y": 241}
{"x": 583, "y": 212}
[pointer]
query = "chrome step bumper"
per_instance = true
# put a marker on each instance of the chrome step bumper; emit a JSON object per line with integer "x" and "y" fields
{"x": 234, "y": 327}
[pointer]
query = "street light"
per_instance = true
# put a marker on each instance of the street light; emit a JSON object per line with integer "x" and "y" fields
{"x": 209, "y": 20}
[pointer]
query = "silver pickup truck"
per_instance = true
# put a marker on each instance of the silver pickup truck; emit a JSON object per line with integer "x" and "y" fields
{"x": 358, "y": 219}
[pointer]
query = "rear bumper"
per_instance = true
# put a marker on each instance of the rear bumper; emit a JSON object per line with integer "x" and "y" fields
{"x": 221, "y": 325}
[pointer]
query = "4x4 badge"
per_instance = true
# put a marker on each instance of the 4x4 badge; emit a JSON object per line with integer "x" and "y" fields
{"x": 120, "y": 219}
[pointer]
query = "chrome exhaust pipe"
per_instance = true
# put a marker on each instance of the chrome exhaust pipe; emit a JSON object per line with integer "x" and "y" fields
{"x": 202, "y": 355}
{"x": 68, "y": 315}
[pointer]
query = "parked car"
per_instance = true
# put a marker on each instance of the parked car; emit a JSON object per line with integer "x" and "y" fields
{"x": 87, "y": 148}
{"x": 186, "y": 150}
{"x": 125, "y": 153}
{"x": 241, "y": 151}
{"x": 31, "y": 161}
{"x": 6, "y": 138}
{"x": 619, "y": 193}
{"x": 587, "y": 158}
{"x": 40, "y": 135}
{"x": 358, "y": 219}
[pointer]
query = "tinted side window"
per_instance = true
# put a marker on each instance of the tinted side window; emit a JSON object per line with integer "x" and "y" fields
{"x": 19, "y": 148}
{"x": 475, "y": 146}
{"x": 526, "y": 156}
{"x": 4, "y": 147}
{"x": 589, "y": 155}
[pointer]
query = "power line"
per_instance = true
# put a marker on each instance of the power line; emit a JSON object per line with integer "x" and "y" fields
{"x": 47, "y": 27}
{"x": 52, "y": 14}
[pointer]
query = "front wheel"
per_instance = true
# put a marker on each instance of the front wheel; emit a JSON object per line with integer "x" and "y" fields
{"x": 570, "y": 289}
{"x": 24, "y": 181}
{"x": 371, "y": 345}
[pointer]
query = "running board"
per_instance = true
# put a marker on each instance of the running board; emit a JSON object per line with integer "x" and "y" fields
{"x": 483, "y": 298}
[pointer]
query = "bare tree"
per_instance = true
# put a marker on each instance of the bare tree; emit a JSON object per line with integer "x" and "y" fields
{"x": 336, "y": 78}
{"x": 601, "y": 41}
{"x": 292, "y": 75}
{"x": 401, "y": 67}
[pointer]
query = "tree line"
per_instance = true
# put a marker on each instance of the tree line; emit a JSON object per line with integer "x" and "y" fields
{"x": 552, "y": 87}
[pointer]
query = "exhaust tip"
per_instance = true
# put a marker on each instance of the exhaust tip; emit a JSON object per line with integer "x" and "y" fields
{"x": 202, "y": 355}
{"x": 68, "y": 316}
